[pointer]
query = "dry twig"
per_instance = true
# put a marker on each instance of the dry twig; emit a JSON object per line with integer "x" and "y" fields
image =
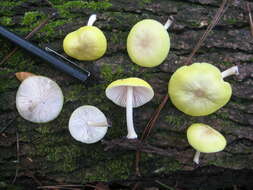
{"x": 250, "y": 18}
{"x": 18, "y": 158}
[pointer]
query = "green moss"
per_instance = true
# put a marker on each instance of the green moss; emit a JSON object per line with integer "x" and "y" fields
{"x": 152, "y": 163}
{"x": 8, "y": 83}
{"x": 110, "y": 73}
{"x": 54, "y": 149}
{"x": 6, "y": 21}
{"x": 6, "y": 186}
{"x": 116, "y": 37}
{"x": 147, "y": 1}
{"x": 21, "y": 61}
{"x": 57, "y": 2}
{"x": 10, "y": 3}
{"x": 74, "y": 93}
{"x": 125, "y": 20}
{"x": 223, "y": 115}
{"x": 7, "y": 7}
{"x": 31, "y": 17}
{"x": 43, "y": 130}
{"x": 194, "y": 24}
{"x": 64, "y": 9}
{"x": 226, "y": 63}
{"x": 119, "y": 168}
{"x": 231, "y": 21}
{"x": 175, "y": 120}
{"x": 50, "y": 30}
{"x": 172, "y": 165}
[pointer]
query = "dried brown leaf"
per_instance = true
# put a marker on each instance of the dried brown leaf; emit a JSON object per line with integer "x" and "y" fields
{"x": 23, "y": 75}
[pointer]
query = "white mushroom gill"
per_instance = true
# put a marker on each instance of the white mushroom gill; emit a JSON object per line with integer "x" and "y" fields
{"x": 129, "y": 114}
{"x": 39, "y": 99}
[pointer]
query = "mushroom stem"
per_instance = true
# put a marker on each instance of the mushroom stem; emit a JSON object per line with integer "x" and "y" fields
{"x": 129, "y": 114}
{"x": 168, "y": 22}
{"x": 97, "y": 124}
{"x": 92, "y": 19}
{"x": 196, "y": 157}
{"x": 231, "y": 71}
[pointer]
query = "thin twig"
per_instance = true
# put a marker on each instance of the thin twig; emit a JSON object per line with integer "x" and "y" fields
{"x": 138, "y": 145}
{"x": 215, "y": 21}
{"x": 36, "y": 29}
{"x": 151, "y": 123}
{"x": 8, "y": 124}
{"x": 250, "y": 18}
{"x": 164, "y": 185}
{"x": 57, "y": 187}
{"x": 60, "y": 186}
{"x": 18, "y": 158}
{"x": 147, "y": 131}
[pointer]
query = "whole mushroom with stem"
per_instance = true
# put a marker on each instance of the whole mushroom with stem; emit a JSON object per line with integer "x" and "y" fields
{"x": 88, "y": 124}
{"x": 87, "y": 43}
{"x": 204, "y": 138}
{"x": 199, "y": 89}
{"x": 148, "y": 42}
{"x": 130, "y": 93}
{"x": 39, "y": 99}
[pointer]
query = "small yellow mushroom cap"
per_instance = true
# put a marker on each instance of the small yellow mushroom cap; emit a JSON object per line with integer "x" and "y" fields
{"x": 204, "y": 138}
{"x": 198, "y": 89}
{"x": 86, "y": 44}
{"x": 148, "y": 43}
{"x": 142, "y": 91}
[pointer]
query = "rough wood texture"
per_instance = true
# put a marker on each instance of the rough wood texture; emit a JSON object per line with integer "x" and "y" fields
{"x": 47, "y": 151}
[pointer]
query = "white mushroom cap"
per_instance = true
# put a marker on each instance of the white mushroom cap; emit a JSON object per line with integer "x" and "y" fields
{"x": 39, "y": 99}
{"x": 88, "y": 124}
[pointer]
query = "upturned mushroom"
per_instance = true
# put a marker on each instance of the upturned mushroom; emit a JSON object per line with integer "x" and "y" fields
{"x": 87, "y": 43}
{"x": 204, "y": 138}
{"x": 199, "y": 89}
{"x": 130, "y": 93}
{"x": 148, "y": 42}
{"x": 88, "y": 124}
{"x": 39, "y": 99}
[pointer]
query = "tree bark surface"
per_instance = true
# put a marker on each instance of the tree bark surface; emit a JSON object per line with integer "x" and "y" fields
{"x": 48, "y": 154}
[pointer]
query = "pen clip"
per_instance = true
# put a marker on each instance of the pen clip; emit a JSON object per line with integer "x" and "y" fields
{"x": 66, "y": 59}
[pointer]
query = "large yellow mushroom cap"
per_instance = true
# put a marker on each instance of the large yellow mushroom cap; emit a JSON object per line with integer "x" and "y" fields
{"x": 148, "y": 43}
{"x": 204, "y": 138}
{"x": 87, "y": 43}
{"x": 142, "y": 91}
{"x": 198, "y": 89}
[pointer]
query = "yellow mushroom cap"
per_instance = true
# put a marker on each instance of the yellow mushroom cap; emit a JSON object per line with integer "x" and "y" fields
{"x": 142, "y": 91}
{"x": 148, "y": 43}
{"x": 204, "y": 138}
{"x": 198, "y": 89}
{"x": 87, "y": 43}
